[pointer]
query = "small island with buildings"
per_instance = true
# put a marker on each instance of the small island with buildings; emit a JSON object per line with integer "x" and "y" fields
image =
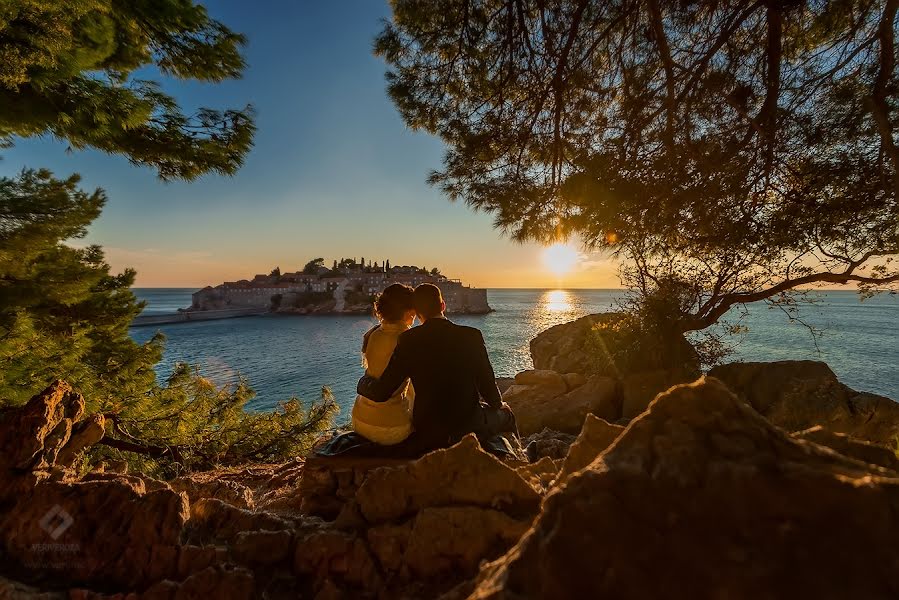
{"x": 347, "y": 287}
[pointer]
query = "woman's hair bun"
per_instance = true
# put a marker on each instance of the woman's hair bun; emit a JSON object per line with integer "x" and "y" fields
{"x": 393, "y": 302}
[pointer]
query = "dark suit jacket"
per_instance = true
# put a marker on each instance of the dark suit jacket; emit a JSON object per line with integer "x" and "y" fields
{"x": 451, "y": 374}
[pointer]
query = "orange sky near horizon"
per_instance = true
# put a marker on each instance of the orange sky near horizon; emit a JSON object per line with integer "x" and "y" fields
{"x": 521, "y": 267}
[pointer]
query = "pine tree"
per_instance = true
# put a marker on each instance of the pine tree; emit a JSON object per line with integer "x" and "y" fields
{"x": 62, "y": 314}
{"x": 67, "y": 69}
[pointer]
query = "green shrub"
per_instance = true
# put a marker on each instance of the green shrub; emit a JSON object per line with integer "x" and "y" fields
{"x": 190, "y": 424}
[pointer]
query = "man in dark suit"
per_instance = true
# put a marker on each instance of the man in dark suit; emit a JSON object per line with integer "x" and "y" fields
{"x": 455, "y": 388}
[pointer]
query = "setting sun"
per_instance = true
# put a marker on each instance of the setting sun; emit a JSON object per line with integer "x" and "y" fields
{"x": 560, "y": 258}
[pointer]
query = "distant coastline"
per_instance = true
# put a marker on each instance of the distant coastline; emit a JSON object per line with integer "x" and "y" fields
{"x": 349, "y": 287}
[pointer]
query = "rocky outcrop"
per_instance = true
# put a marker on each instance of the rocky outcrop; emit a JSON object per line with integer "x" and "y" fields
{"x": 401, "y": 529}
{"x": 595, "y": 366}
{"x": 32, "y": 436}
{"x": 422, "y": 523}
{"x": 571, "y": 347}
{"x": 797, "y": 395}
{"x": 866, "y": 452}
{"x": 593, "y": 345}
{"x": 107, "y": 528}
{"x": 701, "y": 497}
{"x": 595, "y": 437}
{"x": 546, "y": 399}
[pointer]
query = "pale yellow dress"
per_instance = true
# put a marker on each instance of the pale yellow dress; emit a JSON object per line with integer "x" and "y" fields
{"x": 387, "y": 422}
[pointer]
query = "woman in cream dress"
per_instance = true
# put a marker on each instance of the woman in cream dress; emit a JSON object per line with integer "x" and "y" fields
{"x": 387, "y": 422}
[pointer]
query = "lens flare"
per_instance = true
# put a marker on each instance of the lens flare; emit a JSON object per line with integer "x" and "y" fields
{"x": 560, "y": 259}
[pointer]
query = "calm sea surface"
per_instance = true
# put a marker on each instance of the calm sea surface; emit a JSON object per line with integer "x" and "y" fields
{"x": 285, "y": 356}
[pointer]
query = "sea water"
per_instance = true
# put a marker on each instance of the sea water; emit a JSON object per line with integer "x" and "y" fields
{"x": 286, "y": 356}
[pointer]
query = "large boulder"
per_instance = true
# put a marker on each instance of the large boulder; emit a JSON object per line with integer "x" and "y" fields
{"x": 542, "y": 406}
{"x": 570, "y": 347}
{"x": 847, "y": 445}
{"x": 701, "y": 497}
{"x": 611, "y": 370}
{"x": 105, "y": 533}
{"x": 461, "y": 475}
{"x": 797, "y": 395}
{"x": 598, "y": 344}
{"x": 639, "y": 389}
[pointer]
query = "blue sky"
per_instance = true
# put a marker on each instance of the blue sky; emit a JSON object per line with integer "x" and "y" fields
{"x": 334, "y": 171}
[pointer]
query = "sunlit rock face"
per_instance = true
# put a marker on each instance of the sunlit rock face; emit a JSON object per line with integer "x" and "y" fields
{"x": 593, "y": 347}
{"x": 701, "y": 497}
{"x": 798, "y": 394}
{"x": 586, "y": 346}
{"x": 546, "y": 399}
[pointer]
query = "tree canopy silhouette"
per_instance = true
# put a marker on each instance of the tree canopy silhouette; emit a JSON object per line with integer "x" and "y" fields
{"x": 68, "y": 68}
{"x": 727, "y": 151}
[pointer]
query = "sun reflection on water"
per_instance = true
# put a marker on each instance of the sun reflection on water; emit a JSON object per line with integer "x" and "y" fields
{"x": 556, "y": 300}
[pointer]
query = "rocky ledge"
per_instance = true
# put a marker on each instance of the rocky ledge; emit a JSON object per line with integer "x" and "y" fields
{"x": 700, "y": 496}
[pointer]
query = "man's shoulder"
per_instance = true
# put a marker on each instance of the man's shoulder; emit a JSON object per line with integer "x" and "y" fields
{"x": 409, "y": 334}
{"x": 472, "y": 333}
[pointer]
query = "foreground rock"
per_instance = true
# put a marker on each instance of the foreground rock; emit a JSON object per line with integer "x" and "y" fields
{"x": 698, "y": 497}
{"x": 797, "y": 395}
{"x": 109, "y": 529}
{"x": 866, "y": 452}
{"x": 407, "y": 529}
{"x": 701, "y": 497}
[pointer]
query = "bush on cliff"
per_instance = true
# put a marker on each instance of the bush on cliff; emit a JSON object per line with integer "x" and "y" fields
{"x": 191, "y": 424}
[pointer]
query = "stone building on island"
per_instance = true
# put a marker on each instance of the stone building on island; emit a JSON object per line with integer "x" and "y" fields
{"x": 349, "y": 286}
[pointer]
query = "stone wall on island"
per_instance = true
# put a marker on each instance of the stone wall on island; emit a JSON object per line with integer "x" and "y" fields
{"x": 302, "y": 297}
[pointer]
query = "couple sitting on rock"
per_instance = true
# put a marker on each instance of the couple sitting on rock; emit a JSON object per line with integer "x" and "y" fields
{"x": 425, "y": 387}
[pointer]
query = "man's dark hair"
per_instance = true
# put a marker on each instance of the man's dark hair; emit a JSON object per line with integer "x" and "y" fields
{"x": 428, "y": 300}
